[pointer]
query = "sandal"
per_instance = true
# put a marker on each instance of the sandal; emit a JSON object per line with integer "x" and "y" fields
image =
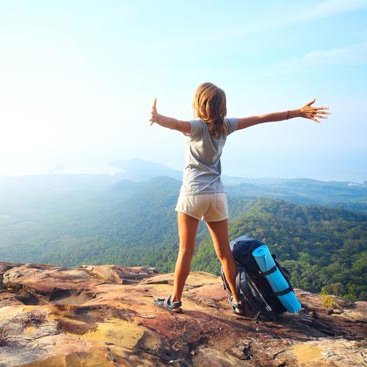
{"x": 167, "y": 304}
{"x": 236, "y": 306}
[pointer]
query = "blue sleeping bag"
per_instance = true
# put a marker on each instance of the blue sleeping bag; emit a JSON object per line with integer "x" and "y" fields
{"x": 275, "y": 278}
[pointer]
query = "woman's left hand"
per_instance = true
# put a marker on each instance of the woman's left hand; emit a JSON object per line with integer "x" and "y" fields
{"x": 314, "y": 113}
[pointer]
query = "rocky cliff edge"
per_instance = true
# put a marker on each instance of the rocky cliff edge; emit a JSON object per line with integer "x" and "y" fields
{"x": 99, "y": 316}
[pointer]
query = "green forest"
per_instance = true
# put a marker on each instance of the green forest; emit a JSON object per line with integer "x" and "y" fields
{"x": 325, "y": 249}
{"x": 134, "y": 223}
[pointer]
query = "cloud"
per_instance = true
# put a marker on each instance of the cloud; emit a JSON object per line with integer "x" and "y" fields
{"x": 351, "y": 55}
{"x": 299, "y": 14}
{"x": 329, "y": 8}
{"x": 324, "y": 9}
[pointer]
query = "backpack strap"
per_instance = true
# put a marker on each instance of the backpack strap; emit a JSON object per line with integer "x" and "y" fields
{"x": 284, "y": 291}
{"x": 272, "y": 270}
{"x": 238, "y": 282}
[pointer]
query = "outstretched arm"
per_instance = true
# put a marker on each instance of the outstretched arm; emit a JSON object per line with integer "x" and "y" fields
{"x": 307, "y": 111}
{"x": 168, "y": 122}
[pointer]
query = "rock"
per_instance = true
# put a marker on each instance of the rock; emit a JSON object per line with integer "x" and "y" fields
{"x": 118, "y": 274}
{"x": 103, "y": 315}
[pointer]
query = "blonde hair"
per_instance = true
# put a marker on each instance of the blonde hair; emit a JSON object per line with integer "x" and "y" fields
{"x": 210, "y": 105}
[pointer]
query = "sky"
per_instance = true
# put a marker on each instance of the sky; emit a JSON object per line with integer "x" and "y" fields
{"x": 77, "y": 79}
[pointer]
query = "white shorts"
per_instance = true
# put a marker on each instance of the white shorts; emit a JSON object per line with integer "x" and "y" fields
{"x": 210, "y": 207}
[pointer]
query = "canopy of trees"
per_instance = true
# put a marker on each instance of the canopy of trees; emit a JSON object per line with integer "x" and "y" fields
{"x": 135, "y": 224}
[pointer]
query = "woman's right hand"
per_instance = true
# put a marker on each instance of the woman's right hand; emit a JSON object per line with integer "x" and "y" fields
{"x": 314, "y": 113}
{"x": 153, "y": 113}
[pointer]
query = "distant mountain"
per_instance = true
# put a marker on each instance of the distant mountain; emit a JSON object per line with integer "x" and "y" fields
{"x": 116, "y": 224}
{"x": 134, "y": 223}
{"x": 75, "y": 219}
{"x": 141, "y": 170}
{"x": 347, "y": 195}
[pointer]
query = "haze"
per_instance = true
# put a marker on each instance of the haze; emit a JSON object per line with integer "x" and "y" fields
{"x": 77, "y": 80}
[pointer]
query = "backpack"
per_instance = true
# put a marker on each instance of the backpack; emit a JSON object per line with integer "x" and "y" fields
{"x": 253, "y": 289}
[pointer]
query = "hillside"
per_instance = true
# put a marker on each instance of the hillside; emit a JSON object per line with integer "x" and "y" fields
{"x": 325, "y": 249}
{"x": 342, "y": 194}
{"x": 76, "y": 220}
{"x": 346, "y": 195}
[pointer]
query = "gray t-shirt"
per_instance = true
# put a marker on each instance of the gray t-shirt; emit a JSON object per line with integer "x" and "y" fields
{"x": 202, "y": 159}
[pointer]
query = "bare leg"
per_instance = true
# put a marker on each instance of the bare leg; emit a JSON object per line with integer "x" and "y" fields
{"x": 219, "y": 234}
{"x": 187, "y": 228}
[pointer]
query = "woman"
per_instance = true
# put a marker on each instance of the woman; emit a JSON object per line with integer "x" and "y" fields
{"x": 202, "y": 194}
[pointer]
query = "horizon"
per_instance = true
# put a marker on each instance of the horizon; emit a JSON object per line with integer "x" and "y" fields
{"x": 77, "y": 81}
{"x": 111, "y": 172}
